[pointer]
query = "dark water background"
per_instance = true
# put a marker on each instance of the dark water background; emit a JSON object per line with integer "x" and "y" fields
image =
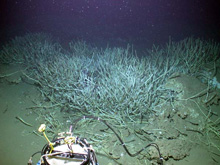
{"x": 98, "y": 22}
{"x": 113, "y": 22}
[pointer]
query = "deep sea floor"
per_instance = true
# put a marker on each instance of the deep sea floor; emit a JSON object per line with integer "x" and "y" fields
{"x": 18, "y": 142}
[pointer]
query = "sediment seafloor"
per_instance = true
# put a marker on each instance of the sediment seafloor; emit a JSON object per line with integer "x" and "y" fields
{"x": 183, "y": 119}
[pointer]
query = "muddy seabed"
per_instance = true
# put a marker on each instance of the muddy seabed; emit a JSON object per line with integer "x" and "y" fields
{"x": 183, "y": 129}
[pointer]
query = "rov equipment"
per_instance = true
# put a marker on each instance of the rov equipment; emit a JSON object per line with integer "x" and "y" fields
{"x": 70, "y": 150}
{"x": 66, "y": 149}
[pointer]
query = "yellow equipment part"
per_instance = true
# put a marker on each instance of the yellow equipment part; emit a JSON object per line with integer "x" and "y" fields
{"x": 42, "y": 129}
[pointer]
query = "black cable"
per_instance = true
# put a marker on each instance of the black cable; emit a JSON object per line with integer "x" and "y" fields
{"x": 30, "y": 159}
{"x": 35, "y": 153}
{"x": 119, "y": 138}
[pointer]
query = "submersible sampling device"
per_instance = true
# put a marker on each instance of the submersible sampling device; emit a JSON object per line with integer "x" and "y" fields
{"x": 67, "y": 149}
